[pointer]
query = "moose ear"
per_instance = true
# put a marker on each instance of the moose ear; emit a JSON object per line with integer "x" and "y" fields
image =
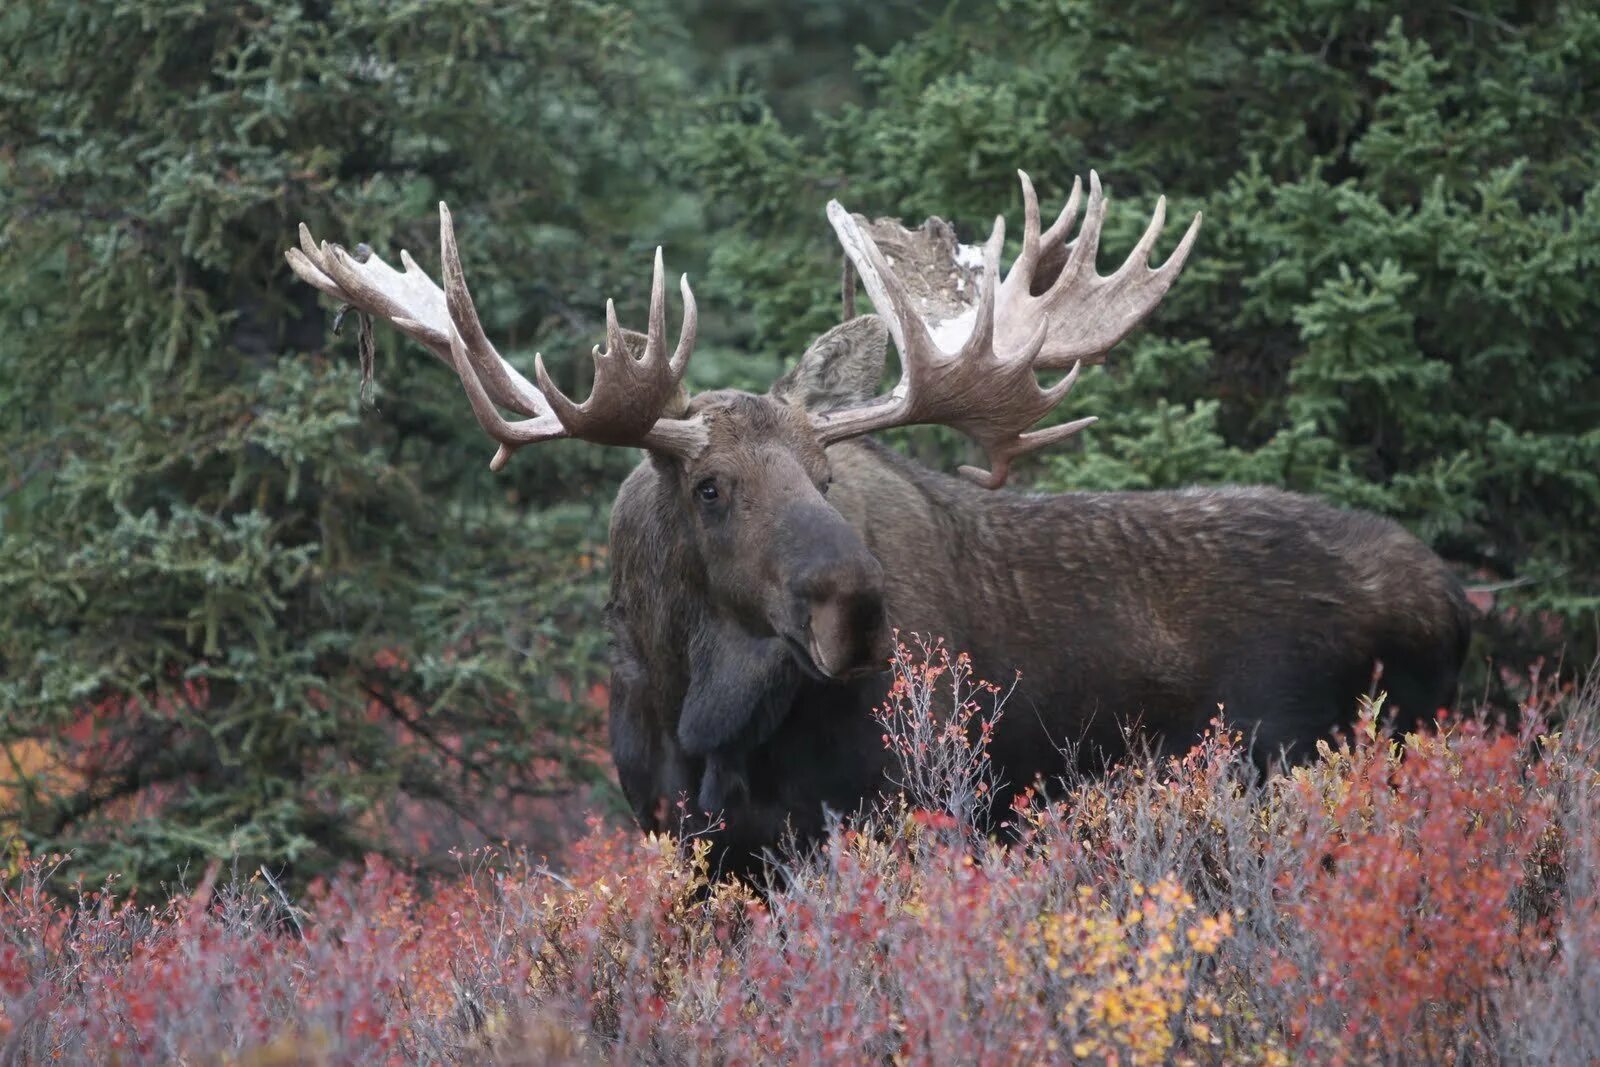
{"x": 740, "y": 687}
{"x": 841, "y": 369}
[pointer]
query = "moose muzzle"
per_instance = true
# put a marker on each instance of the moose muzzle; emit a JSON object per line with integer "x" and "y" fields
{"x": 847, "y": 634}
{"x": 835, "y": 593}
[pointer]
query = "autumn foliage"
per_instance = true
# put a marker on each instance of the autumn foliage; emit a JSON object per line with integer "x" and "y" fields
{"x": 1431, "y": 903}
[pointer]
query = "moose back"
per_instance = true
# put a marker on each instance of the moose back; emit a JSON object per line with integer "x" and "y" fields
{"x": 766, "y": 548}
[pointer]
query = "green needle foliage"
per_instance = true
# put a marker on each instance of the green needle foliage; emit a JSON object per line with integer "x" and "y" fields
{"x": 1392, "y": 302}
{"x": 245, "y": 614}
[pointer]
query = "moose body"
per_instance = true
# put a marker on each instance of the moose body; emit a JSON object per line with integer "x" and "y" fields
{"x": 765, "y": 550}
{"x": 1134, "y": 615}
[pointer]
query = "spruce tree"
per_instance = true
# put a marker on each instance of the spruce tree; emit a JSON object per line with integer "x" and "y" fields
{"x": 1391, "y": 303}
{"x": 248, "y": 615}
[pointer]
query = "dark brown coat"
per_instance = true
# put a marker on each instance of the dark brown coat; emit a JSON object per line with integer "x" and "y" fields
{"x": 1142, "y": 610}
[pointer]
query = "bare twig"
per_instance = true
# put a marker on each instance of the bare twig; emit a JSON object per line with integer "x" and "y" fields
{"x": 289, "y": 908}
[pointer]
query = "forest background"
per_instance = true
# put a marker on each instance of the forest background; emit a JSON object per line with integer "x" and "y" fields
{"x": 246, "y": 614}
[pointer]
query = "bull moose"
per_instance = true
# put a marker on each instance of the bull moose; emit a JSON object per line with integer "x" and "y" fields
{"x": 765, "y": 546}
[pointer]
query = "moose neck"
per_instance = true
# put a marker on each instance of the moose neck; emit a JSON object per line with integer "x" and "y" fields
{"x": 934, "y": 536}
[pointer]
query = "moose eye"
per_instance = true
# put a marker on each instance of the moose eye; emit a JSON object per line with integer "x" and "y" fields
{"x": 707, "y": 490}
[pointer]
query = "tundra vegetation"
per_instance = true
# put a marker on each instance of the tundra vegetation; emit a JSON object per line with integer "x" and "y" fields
{"x": 1437, "y": 907}
{"x": 251, "y": 621}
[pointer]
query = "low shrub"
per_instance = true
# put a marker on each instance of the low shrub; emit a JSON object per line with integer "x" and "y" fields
{"x": 1431, "y": 903}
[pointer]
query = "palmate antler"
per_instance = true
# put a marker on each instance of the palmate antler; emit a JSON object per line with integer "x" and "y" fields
{"x": 633, "y": 384}
{"x": 1052, "y": 311}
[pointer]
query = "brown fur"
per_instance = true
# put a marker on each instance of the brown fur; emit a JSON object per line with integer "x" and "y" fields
{"x": 1139, "y": 612}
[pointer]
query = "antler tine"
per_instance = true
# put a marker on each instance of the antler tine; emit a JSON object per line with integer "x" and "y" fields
{"x": 1083, "y": 250}
{"x": 305, "y": 262}
{"x": 989, "y": 389}
{"x": 1174, "y": 263}
{"x": 1147, "y": 241}
{"x": 655, "y": 339}
{"x": 475, "y": 359}
{"x": 980, "y": 343}
{"x": 1028, "y": 260}
{"x": 509, "y": 435}
{"x": 910, "y": 335}
{"x": 884, "y": 287}
{"x": 1029, "y": 255}
{"x": 1086, "y": 314}
{"x": 490, "y": 367}
{"x": 629, "y": 395}
{"x": 655, "y": 346}
{"x": 1057, "y": 233}
{"x": 688, "y": 331}
{"x": 500, "y": 376}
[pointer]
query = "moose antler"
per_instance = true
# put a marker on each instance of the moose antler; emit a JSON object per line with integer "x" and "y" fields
{"x": 1052, "y": 311}
{"x": 633, "y": 384}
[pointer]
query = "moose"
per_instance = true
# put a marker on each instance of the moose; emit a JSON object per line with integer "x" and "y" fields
{"x": 766, "y": 547}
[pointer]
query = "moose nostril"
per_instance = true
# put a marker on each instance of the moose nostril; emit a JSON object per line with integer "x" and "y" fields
{"x": 846, "y": 632}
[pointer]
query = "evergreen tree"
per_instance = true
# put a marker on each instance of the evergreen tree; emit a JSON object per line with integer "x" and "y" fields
{"x": 1392, "y": 301}
{"x": 247, "y": 615}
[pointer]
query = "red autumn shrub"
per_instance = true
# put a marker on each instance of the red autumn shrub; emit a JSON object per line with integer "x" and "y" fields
{"x": 1413, "y": 863}
{"x": 1436, "y": 905}
{"x": 935, "y": 723}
